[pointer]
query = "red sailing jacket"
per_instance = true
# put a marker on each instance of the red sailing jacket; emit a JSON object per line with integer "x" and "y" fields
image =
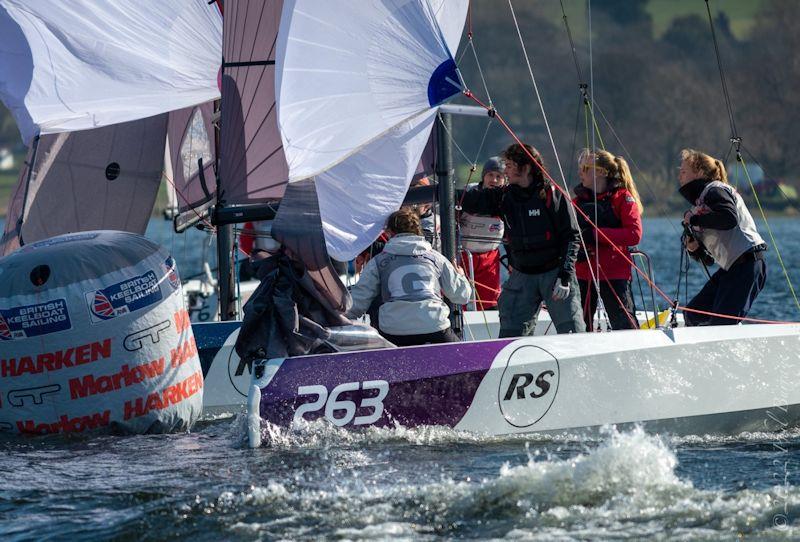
{"x": 628, "y": 234}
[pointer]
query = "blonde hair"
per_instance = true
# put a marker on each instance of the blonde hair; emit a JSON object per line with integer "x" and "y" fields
{"x": 616, "y": 170}
{"x": 711, "y": 168}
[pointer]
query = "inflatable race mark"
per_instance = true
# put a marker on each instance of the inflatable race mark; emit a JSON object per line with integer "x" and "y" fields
{"x": 95, "y": 338}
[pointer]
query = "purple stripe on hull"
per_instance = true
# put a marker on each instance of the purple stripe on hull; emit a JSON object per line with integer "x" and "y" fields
{"x": 427, "y": 385}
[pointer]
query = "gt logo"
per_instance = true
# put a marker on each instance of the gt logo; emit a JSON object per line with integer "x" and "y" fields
{"x": 342, "y": 411}
{"x": 526, "y": 379}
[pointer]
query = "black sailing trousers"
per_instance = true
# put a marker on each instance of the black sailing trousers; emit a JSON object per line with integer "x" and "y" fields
{"x": 617, "y": 299}
{"x": 729, "y": 292}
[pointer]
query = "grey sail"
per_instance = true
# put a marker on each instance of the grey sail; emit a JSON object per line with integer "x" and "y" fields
{"x": 105, "y": 178}
{"x": 253, "y": 167}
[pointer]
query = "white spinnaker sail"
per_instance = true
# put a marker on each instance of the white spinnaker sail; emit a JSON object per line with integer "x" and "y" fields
{"x": 81, "y": 64}
{"x": 357, "y": 90}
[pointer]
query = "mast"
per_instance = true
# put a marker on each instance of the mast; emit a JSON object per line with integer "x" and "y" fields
{"x": 446, "y": 180}
{"x": 31, "y": 165}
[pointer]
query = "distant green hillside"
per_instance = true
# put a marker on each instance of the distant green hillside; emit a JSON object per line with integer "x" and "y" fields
{"x": 740, "y": 13}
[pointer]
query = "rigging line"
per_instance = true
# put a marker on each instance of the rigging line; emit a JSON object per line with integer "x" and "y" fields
{"x": 777, "y": 185}
{"x": 607, "y": 239}
{"x": 586, "y": 121}
{"x": 205, "y": 221}
{"x": 639, "y": 171}
{"x": 453, "y": 141}
{"x": 734, "y": 135}
{"x": 483, "y": 141}
{"x": 480, "y": 70}
{"x": 589, "y": 105}
{"x": 631, "y": 318}
{"x": 584, "y": 88}
{"x": 575, "y": 136}
{"x": 769, "y": 229}
{"x": 549, "y": 132}
{"x": 571, "y": 44}
{"x": 463, "y": 53}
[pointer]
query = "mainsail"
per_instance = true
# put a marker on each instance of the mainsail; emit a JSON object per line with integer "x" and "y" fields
{"x": 82, "y": 64}
{"x": 358, "y": 85}
{"x": 106, "y": 178}
{"x": 252, "y": 164}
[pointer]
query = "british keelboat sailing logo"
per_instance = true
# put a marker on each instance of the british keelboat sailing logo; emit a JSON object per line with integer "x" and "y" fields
{"x": 123, "y": 297}
{"x": 5, "y": 331}
{"x": 33, "y": 320}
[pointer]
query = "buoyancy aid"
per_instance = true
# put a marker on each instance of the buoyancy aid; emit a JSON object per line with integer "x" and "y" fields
{"x": 619, "y": 219}
{"x": 727, "y": 245}
{"x": 480, "y": 234}
{"x": 600, "y": 207}
{"x": 531, "y": 229}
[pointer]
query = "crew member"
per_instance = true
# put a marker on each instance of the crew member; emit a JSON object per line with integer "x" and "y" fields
{"x": 410, "y": 277}
{"x": 481, "y": 237}
{"x": 720, "y": 223}
{"x": 608, "y": 195}
{"x": 542, "y": 238}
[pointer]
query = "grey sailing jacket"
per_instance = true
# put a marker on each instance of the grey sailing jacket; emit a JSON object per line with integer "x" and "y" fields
{"x": 409, "y": 276}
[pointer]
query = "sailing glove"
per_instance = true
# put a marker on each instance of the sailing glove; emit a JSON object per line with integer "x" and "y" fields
{"x": 560, "y": 291}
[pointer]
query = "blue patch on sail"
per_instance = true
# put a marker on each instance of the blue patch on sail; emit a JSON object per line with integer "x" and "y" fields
{"x": 444, "y": 82}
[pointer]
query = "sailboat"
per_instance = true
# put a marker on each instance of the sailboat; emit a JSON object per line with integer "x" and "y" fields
{"x": 724, "y": 379}
{"x": 287, "y": 134}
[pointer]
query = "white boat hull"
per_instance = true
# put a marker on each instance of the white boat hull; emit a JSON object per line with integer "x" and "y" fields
{"x": 720, "y": 380}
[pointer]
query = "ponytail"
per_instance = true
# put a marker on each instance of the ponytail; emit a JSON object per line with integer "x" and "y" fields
{"x": 722, "y": 175}
{"x": 624, "y": 176}
{"x": 711, "y": 168}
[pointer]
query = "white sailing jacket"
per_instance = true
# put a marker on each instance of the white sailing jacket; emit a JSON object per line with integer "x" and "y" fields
{"x": 409, "y": 276}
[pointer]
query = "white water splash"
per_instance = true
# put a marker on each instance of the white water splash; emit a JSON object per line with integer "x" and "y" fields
{"x": 625, "y": 486}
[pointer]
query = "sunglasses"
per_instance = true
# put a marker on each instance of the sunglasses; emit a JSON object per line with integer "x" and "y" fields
{"x": 589, "y": 167}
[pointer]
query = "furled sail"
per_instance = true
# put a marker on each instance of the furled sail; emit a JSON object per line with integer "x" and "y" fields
{"x": 191, "y": 140}
{"x": 358, "y": 85}
{"x": 105, "y": 178}
{"x": 84, "y": 64}
{"x": 252, "y": 164}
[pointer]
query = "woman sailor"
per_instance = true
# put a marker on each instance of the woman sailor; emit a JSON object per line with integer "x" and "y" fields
{"x": 607, "y": 195}
{"x": 481, "y": 237}
{"x": 410, "y": 277}
{"x": 720, "y": 223}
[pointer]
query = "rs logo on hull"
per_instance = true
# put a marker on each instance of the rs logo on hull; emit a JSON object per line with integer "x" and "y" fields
{"x": 520, "y": 381}
{"x": 529, "y": 385}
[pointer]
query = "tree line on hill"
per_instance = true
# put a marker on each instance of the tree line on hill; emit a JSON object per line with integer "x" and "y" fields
{"x": 660, "y": 94}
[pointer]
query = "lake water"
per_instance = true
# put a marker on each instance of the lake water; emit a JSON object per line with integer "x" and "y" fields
{"x": 428, "y": 483}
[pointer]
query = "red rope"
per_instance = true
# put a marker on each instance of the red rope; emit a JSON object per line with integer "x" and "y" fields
{"x": 621, "y": 252}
